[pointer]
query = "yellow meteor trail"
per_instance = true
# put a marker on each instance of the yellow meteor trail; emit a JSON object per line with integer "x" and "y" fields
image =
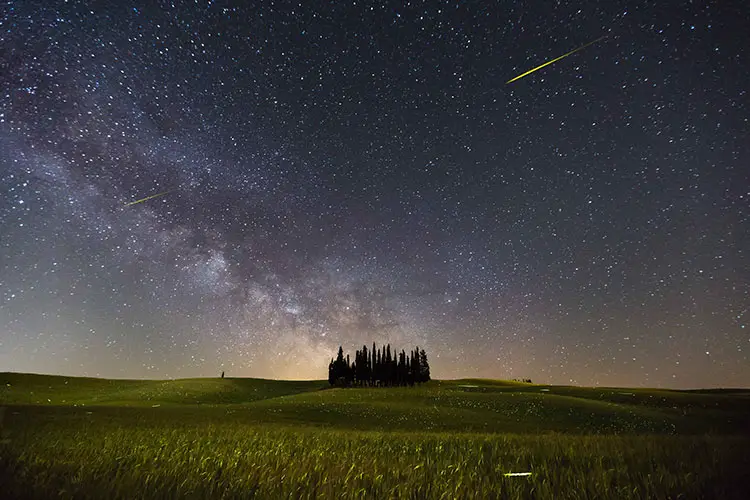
{"x": 148, "y": 198}
{"x": 554, "y": 60}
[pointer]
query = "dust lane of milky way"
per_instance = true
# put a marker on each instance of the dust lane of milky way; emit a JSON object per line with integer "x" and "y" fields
{"x": 348, "y": 174}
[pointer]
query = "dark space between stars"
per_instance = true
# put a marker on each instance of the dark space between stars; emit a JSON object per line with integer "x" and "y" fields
{"x": 345, "y": 173}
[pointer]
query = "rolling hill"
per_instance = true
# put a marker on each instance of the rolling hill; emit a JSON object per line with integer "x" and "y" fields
{"x": 74, "y": 437}
{"x": 468, "y": 405}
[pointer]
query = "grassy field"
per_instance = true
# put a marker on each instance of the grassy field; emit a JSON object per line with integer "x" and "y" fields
{"x": 240, "y": 438}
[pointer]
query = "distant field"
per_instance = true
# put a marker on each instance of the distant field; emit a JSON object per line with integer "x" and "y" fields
{"x": 198, "y": 438}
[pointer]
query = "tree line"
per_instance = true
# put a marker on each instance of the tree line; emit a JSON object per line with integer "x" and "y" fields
{"x": 379, "y": 367}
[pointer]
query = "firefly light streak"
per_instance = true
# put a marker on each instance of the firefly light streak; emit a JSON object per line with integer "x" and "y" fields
{"x": 148, "y": 198}
{"x": 554, "y": 60}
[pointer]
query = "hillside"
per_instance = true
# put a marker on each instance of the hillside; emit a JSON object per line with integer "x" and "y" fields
{"x": 240, "y": 438}
{"x": 22, "y": 388}
{"x": 469, "y": 405}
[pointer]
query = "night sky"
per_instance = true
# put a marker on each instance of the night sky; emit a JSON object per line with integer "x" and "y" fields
{"x": 350, "y": 172}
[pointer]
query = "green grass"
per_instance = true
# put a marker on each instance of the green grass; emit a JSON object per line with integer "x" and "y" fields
{"x": 17, "y": 388}
{"x": 238, "y": 438}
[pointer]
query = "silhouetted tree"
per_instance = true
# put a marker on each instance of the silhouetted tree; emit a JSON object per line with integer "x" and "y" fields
{"x": 348, "y": 372}
{"x": 424, "y": 367}
{"x": 362, "y": 372}
{"x": 379, "y": 367}
{"x": 339, "y": 370}
{"x": 409, "y": 372}
{"x": 388, "y": 365}
{"x": 415, "y": 364}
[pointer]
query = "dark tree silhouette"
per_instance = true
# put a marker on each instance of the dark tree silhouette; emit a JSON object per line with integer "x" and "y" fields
{"x": 338, "y": 371}
{"x": 382, "y": 367}
{"x": 424, "y": 367}
{"x": 415, "y": 364}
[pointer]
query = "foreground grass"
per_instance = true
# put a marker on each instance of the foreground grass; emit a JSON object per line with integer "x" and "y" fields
{"x": 199, "y": 439}
{"x": 231, "y": 461}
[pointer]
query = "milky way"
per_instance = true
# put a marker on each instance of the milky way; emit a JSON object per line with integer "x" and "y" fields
{"x": 343, "y": 173}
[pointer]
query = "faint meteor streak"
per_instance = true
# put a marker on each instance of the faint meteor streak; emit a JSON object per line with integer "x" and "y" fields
{"x": 554, "y": 60}
{"x": 148, "y": 198}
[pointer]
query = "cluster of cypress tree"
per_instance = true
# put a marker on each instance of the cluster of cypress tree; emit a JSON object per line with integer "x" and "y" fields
{"x": 378, "y": 367}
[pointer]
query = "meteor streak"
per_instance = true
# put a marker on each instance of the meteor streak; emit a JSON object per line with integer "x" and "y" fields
{"x": 554, "y": 60}
{"x": 148, "y": 198}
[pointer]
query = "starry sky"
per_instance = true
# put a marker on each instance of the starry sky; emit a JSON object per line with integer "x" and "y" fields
{"x": 350, "y": 172}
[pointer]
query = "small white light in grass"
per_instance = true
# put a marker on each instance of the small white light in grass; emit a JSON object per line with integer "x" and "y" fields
{"x": 515, "y": 474}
